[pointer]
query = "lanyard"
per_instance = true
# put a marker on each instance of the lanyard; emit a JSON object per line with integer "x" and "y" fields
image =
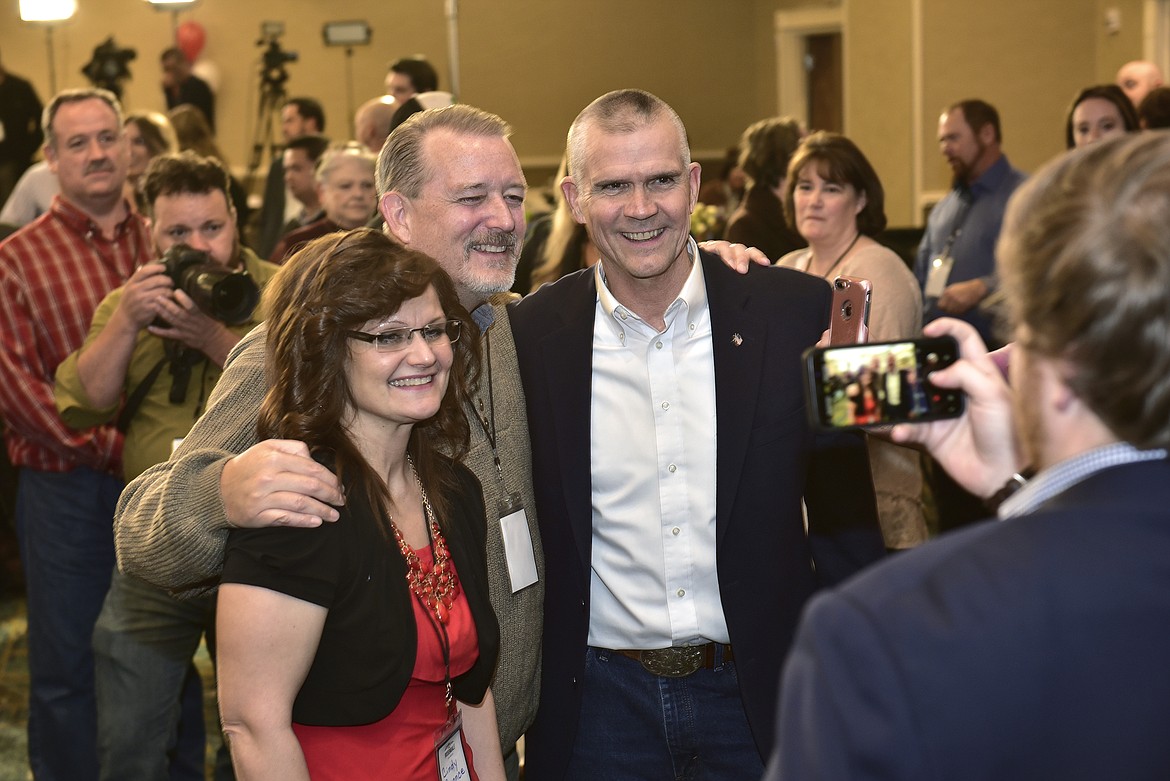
{"x": 490, "y": 431}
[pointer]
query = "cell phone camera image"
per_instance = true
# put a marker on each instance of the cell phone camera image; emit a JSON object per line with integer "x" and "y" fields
{"x": 880, "y": 384}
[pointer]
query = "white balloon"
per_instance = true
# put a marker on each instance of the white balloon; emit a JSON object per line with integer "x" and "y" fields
{"x": 208, "y": 71}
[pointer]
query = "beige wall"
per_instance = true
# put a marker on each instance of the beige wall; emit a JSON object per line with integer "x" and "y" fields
{"x": 537, "y": 62}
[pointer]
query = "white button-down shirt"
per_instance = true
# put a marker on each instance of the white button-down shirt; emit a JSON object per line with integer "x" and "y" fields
{"x": 652, "y": 454}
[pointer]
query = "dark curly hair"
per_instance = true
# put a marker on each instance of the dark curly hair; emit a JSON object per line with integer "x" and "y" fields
{"x": 336, "y": 284}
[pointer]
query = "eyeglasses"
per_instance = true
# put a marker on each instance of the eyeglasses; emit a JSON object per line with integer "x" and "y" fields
{"x": 396, "y": 339}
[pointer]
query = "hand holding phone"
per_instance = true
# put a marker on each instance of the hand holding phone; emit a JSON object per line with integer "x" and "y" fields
{"x": 880, "y": 384}
{"x": 979, "y": 449}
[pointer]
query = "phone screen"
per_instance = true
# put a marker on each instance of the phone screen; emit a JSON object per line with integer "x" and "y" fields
{"x": 880, "y": 384}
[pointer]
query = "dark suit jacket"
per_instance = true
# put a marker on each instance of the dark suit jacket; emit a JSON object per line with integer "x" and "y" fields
{"x": 765, "y": 464}
{"x": 1031, "y": 648}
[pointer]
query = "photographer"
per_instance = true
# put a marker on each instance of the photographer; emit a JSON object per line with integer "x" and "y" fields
{"x": 150, "y": 360}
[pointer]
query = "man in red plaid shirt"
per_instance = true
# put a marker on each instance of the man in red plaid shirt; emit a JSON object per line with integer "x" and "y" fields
{"x": 53, "y": 274}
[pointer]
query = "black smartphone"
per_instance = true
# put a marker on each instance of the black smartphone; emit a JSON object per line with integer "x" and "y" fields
{"x": 881, "y": 383}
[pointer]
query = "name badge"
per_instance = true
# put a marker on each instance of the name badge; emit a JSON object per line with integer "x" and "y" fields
{"x": 517, "y": 543}
{"x": 936, "y": 278}
{"x": 449, "y": 750}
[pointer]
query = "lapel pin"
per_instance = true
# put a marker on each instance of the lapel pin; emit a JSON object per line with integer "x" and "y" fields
{"x": 736, "y": 339}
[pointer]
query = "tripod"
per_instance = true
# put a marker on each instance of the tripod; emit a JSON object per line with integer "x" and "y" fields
{"x": 272, "y": 96}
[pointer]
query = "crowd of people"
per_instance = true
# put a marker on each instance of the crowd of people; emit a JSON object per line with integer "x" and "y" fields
{"x": 419, "y": 518}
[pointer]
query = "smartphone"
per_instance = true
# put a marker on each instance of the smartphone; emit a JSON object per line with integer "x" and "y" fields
{"x": 849, "y": 322}
{"x": 880, "y": 384}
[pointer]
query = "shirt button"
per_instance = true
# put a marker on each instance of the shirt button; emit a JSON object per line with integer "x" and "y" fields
{"x": 666, "y": 405}
{"x": 676, "y": 531}
{"x": 658, "y": 345}
{"x": 682, "y": 592}
{"x": 622, "y": 314}
{"x": 672, "y": 468}
{"x": 691, "y": 326}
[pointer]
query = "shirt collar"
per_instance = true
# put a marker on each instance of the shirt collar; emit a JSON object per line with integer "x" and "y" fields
{"x": 1060, "y": 477}
{"x": 990, "y": 180}
{"x": 692, "y": 297}
{"x": 484, "y": 316}
{"x": 80, "y": 222}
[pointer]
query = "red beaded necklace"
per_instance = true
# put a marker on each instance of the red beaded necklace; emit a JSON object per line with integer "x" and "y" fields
{"x": 438, "y": 588}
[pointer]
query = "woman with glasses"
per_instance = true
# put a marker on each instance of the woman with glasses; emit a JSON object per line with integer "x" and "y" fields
{"x": 363, "y": 648}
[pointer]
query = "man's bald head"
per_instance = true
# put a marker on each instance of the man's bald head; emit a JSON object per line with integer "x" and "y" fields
{"x": 372, "y": 122}
{"x": 1137, "y": 78}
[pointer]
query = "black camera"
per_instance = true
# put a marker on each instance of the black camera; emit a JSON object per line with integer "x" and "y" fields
{"x": 108, "y": 68}
{"x": 273, "y": 71}
{"x": 228, "y": 296}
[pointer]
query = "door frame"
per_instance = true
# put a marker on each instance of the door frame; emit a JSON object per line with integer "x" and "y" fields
{"x": 790, "y": 29}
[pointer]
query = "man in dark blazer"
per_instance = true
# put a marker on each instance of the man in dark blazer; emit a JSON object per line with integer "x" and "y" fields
{"x": 698, "y": 621}
{"x": 1035, "y": 647}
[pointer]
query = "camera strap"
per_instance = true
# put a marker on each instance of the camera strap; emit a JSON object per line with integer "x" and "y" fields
{"x": 134, "y": 400}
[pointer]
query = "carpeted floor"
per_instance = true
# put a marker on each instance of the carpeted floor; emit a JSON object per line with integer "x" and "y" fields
{"x": 14, "y": 693}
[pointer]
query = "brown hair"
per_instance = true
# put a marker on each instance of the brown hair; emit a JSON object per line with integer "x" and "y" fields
{"x": 1108, "y": 92}
{"x": 156, "y": 131}
{"x": 838, "y": 160}
{"x": 336, "y": 284}
{"x": 766, "y": 148}
{"x": 194, "y": 132}
{"x": 977, "y": 113}
{"x": 1084, "y": 259}
{"x": 184, "y": 173}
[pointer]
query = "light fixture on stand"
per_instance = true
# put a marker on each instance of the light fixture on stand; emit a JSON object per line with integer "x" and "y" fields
{"x": 348, "y": 34}
{"x": 50, "y": 13}
{"x": 175, "y": 6}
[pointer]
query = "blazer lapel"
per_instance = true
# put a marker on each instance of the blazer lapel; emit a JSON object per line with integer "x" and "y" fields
{"x": 567, "y": 355}
{"x": 738, "y": 343}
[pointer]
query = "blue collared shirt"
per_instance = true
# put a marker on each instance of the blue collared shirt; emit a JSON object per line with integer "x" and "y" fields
{"x": 977, "y": 212}
{"x": 1060, "y": 477}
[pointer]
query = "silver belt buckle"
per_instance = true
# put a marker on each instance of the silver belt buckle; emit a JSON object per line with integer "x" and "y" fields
{"x": 675, "y": 662}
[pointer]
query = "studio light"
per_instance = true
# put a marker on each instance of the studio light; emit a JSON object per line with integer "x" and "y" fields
{"x": 50, "y": 12}
{"x": 47, "y": 10}
{"x": 354, "y": 33}
{"x": 173, "y": 5}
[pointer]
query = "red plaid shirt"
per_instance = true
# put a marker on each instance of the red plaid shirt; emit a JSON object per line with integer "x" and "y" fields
{"x": 53, "y": 274}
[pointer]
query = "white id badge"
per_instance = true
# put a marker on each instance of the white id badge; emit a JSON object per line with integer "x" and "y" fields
{"x": 449, "y": 750}
{"x": 936, "y": 278}
{"x": 175, "y": 444}
{"x": 517, "y": 544}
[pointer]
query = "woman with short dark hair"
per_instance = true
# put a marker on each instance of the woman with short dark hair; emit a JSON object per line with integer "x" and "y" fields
{"x": 836, "y": 202}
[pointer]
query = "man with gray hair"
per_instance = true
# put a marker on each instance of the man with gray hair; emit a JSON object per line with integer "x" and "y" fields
{"x": 450, "y": 185}
{"x": 53, "y": 274}
{"x": 671, "y": 452}
{"x": 1035, "y": 647}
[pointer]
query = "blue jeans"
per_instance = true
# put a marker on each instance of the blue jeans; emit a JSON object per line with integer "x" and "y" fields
{"x": 637, "y": 725}
{"x": 143, "y": 644}
{"x": 64, "y": 524}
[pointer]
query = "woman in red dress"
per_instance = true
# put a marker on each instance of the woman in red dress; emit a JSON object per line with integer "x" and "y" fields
{"x": 363, "y": 648}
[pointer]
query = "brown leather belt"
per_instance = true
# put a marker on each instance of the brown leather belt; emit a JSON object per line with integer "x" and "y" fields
{"x": 679, "y": 661}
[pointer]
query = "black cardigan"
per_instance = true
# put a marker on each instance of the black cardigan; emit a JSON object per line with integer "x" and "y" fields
{"x": 368, "y": 645}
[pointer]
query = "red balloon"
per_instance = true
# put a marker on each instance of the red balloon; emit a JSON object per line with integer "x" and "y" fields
{"x": 190, "y": 37}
